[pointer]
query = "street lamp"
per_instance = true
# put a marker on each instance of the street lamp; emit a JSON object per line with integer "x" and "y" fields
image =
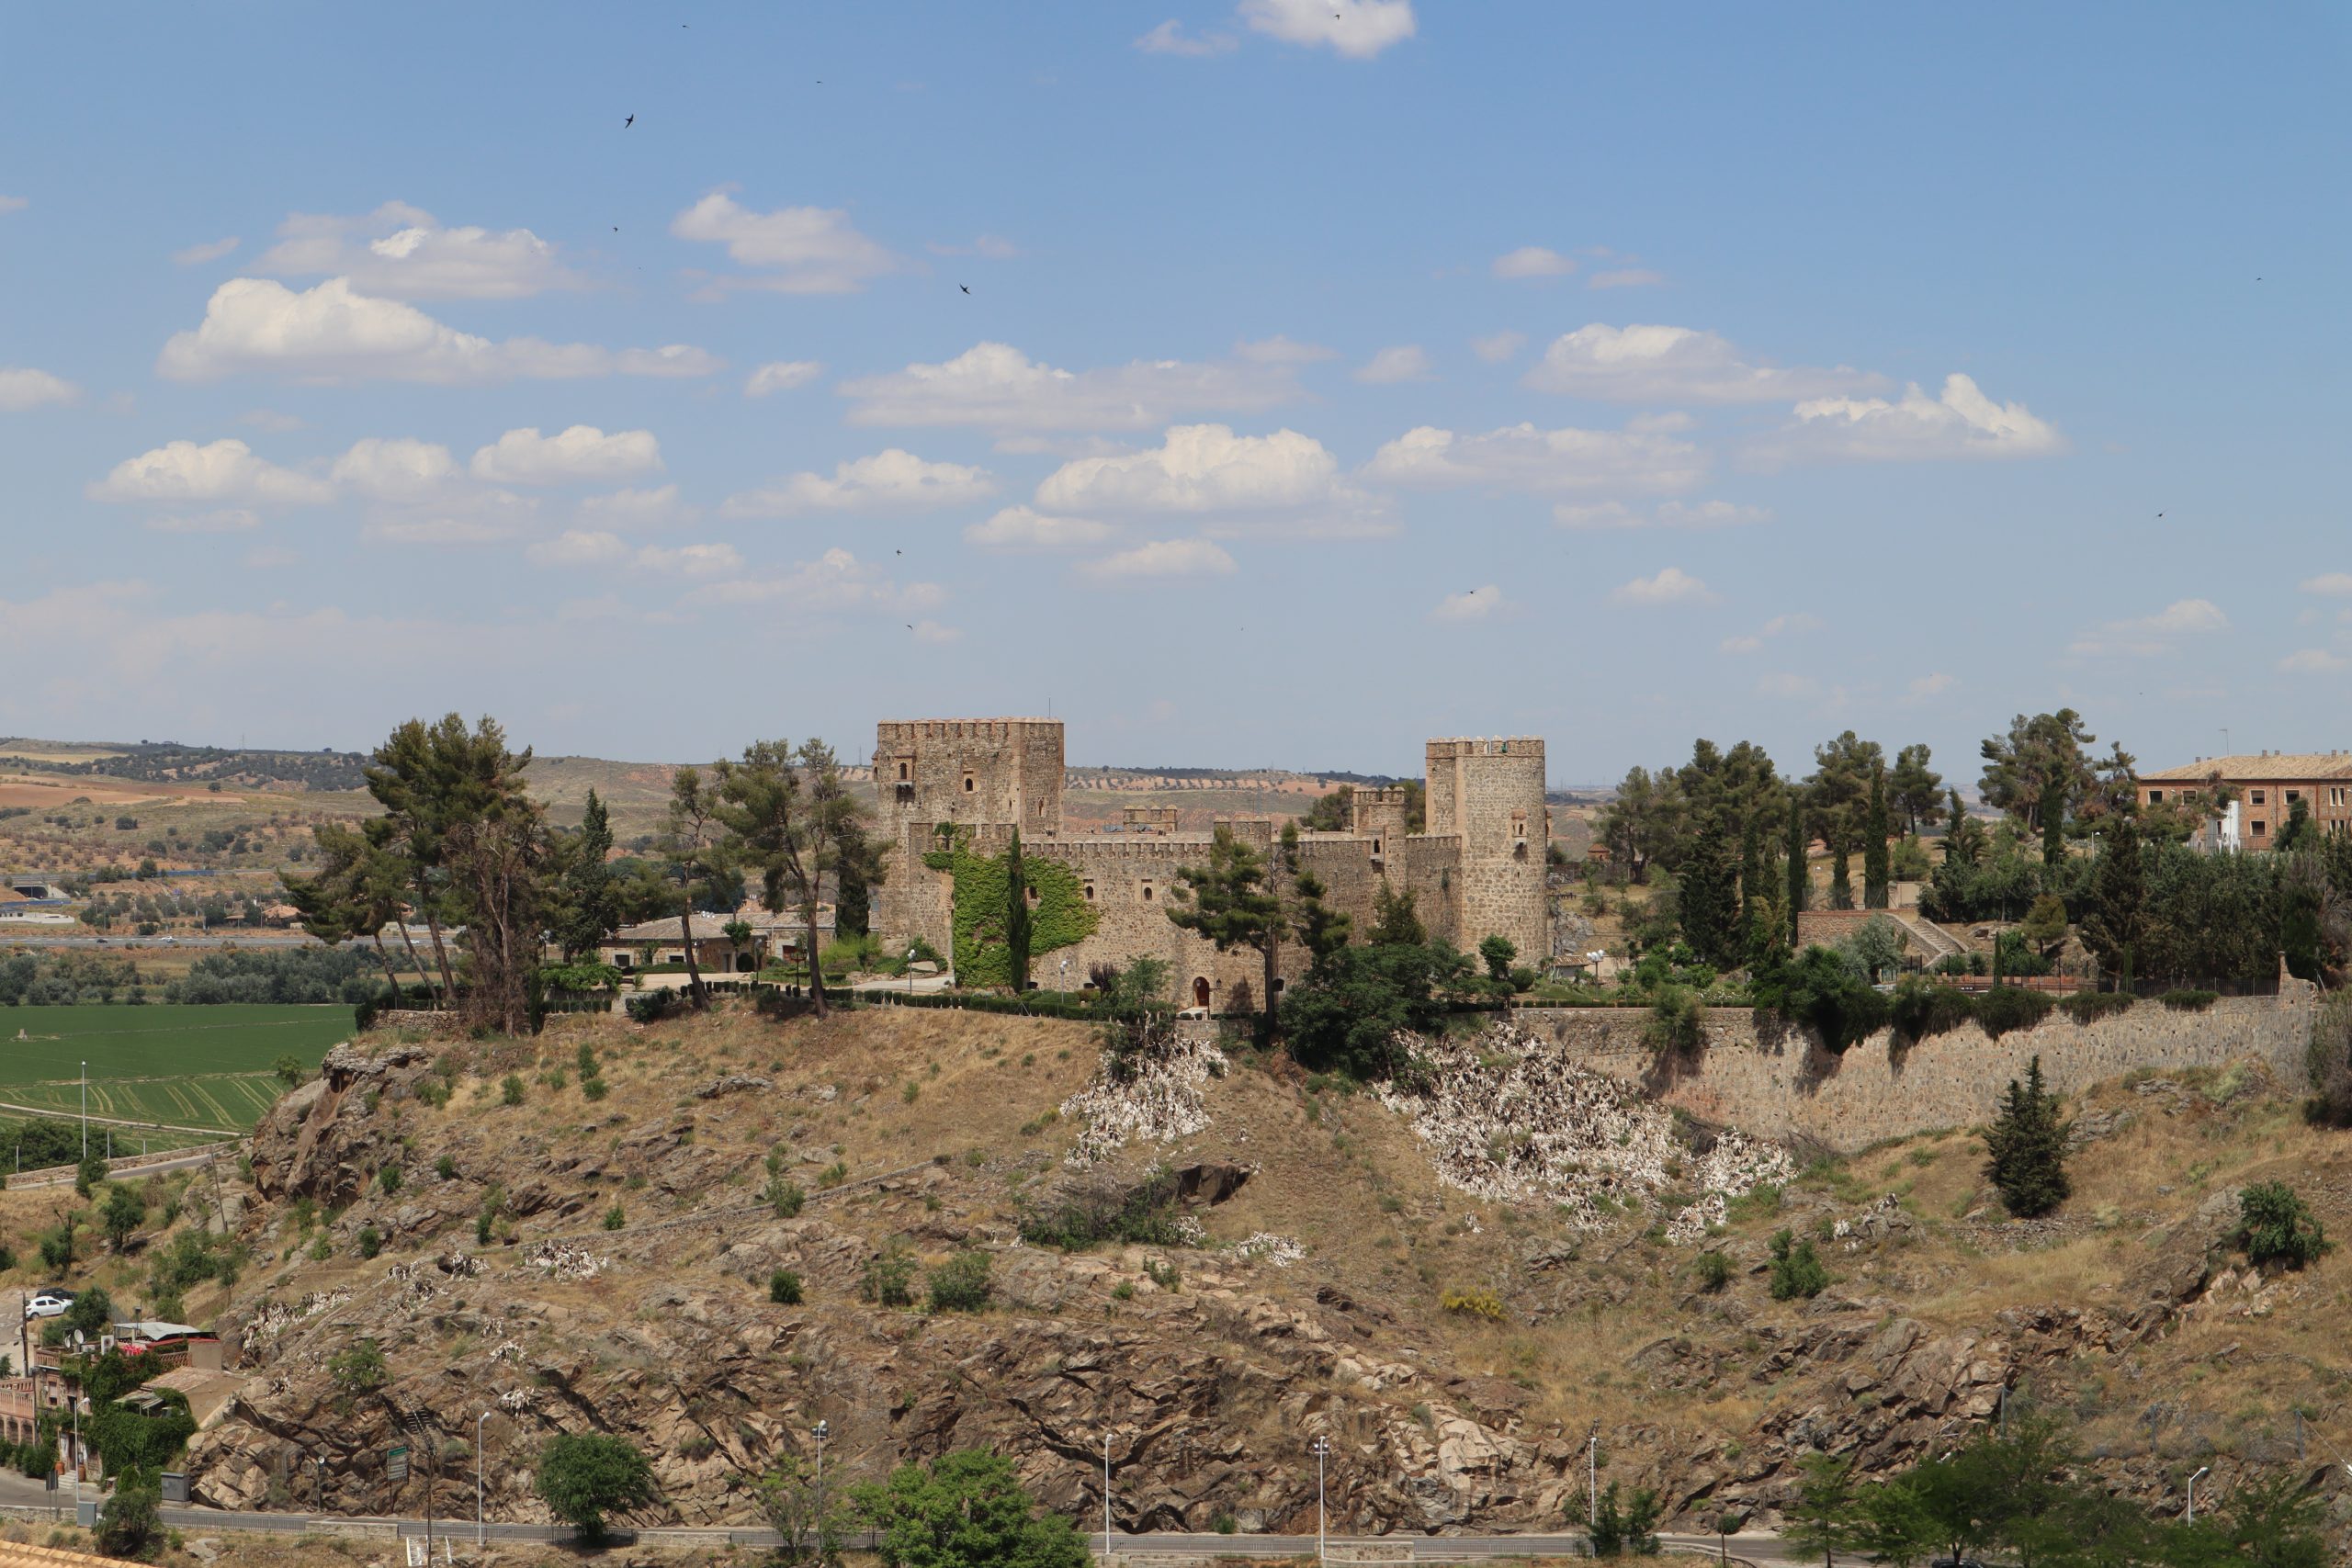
{"x": 2202, "y": 1470}
{"x": 1592, "y": 1476}
{"x": 1106, "y": 1497}
{"x": 479, "y": 1534}
{"x": 910, "y": 982}
{"x": 319, "y": 1484}
{"x": 820, "y": 1431}
{"x": 1322, "y": 1449}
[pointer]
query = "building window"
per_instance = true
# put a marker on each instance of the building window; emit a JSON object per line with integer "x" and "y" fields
{"x": 1090, "y": 893}
{"x": 968, "y": 784}
{"x": 1375, "y": 846}
{"x": 2156, "y": 797}
{"x": 2293, "y": 795}
{"x": 2257, "y": 827}
{"x": 2254, "y": 798}
{"x": 902, "y": 771}
{"x": 1147, "y": 891}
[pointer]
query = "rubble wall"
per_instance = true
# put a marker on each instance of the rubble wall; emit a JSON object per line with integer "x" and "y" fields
{"x": 1780, "y": 1083}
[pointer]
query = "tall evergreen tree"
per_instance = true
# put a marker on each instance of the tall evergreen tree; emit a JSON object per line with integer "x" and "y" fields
{"x": 1016, "y": 915}
{"x": 2025, "y": 1148}
{"x": 589, "y": 906}
{"x": 1751, "y": 867}
{"x": 2116, "y": 924}
{"x": 1800, "y": 875}
{"x": 2053, "y": 823}
{"x": 1230, "y": 901}
{"x": 1875, "y": 858}
{"x": 1710, "y": 899}
{"x": 1964, "y": 839}
{"x": 1841, "y": 877}
{"x": 1915, "y": 790}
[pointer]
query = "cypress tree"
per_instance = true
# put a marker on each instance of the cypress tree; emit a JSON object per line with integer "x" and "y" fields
{"x": 1841, "y": 876}
{"x": 2053, "y": 824}
{"x": 1017, "y": 916}
{"x": 1799, "y": 883}
{"x": 1710, "y": 904}
{"x": 1874, "y": 856}
{"x": 1751, "y": 868}
{"x": 2025, "y": 1149}
{"x": 2117, "y": 921}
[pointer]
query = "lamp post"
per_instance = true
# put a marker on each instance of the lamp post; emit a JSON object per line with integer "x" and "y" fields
{"x": 481, "y": 1534}
{"x": 1322, "y": 1446}
{"x": 2202, "y": 1470}
{"x": 1592, "y": 1476}
{"x": 1106, "y": 1497}
{"x": 319, "y": 1484}
{"x": 910, "y": 971}
{"x": 820, "y": 1431}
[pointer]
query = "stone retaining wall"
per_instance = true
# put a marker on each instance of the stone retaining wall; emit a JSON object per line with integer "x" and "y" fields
{"x": 1782, "y": 1084}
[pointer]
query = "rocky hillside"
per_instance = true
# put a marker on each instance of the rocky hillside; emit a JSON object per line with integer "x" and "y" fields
{"x": 1456, "y": 1286}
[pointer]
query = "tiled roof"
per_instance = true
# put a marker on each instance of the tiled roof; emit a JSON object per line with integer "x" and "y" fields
{"x": 2284, "y": 767}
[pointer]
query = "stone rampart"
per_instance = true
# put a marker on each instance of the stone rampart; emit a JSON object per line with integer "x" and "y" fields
{"x": 1780, "y": 1083}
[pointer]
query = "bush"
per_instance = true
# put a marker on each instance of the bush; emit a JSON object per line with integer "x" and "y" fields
{"x": 1796, "y": 1269}
{"x": 2025, "y": 1149}
{"x": 370, "y": 1243}
{"x": 1712, "y": 1271}
{"x": 511, "y": 1091}
{"x": 357, "y": 1372}
{"x": 583, "y": 1477}
{"x": 2189, "y": 1000}
{"x": 592, "y": 1088}
{"x": 388, "y": 1178}
{"x": 784, "y": 1196}
{"x": 1143, "y": 1215}
{"x": 961, "y": 1284}
{"x": 2004, "y": 1008}
{"x": 2089, "y": 1007}
{"x": 650, "y": 1007}
{"x": 888, "y": 1278}
{"x": 289, "y": 1071}
{"x": 784, "y": 1288}
{"x": 1823, "y": 992}
{"x": 132, "y": 1520}
{"x": 1473, "y": 1303}
{"x": 88, "y": 1173}
{"x": 1677, "y": 1024}
{"x": 1629, "y": 1529}
{"x": 1921, "y": 1010}
{"x": 2275, "y": 1226}
{"x": 616, "y": 1218}
{"x": 445, "y": 1167}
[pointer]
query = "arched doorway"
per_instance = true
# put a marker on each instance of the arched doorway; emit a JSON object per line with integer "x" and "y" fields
{"x": 1200, "y": 991}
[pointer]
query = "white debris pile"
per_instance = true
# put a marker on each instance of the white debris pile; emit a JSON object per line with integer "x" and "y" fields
{"x": 275, "y": 1317}
{"x": 1508, "y": 1118}
{"x": 1158, "y": 1098}
{"x": 1279, "y": 1250}
{"x": 560, "y": 1260}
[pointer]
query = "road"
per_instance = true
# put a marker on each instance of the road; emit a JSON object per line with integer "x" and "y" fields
{"x": 123, "y": 1166}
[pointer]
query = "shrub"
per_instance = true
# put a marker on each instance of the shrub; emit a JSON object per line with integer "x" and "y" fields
{"x": 650, "y": 1007}
{"x": 1712, "y": 1270}
{"x": 585, "y": 1060}
{"x": 88, "y": 1173}
{"x": 1821, "y": 991}
{"x": 1473, "y": 1303}
{"x": 370, "y": 1243}
{"x": 784, "y": 1196}
{"x": 445, "y": 1167}
{"x": 132, "y": 1523}
{"x": 1677, "y": 1024}
{"x": 511, "y": 1091}
{"x": 2275, "y": 1226}
{"x": 1162, "y": 1273}
{"x": 2025, "y": 1149}
{"x": 583, "y": 1477}
{"x": 2004, "y": 1008}
{"x": 1143, "y": 1215}
{"x": 2189, "y": 1000}
{"x": 288, "y": 1069}
{"x": 961, "y": 1284}
{"x": 616, "y": 1218}
{"x": 784, "y": 1288}
{"x": 1921, "y": 1010}
{"x": 1627, "y": 1529}
{"x": 357, "y": 1372}
{"x": 2089, "y": 1007}
{"x": 1796, "y": 1269}
{"x": 888, "y": 1278}
{"x": 594, "y": 1088}
{"x": 388, "y": 1178}
{"x": 1124, "y": 1291}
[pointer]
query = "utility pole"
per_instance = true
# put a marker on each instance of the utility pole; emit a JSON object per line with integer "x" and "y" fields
{"x": 2203, "y": 1470}
{"x": 1106, "y": 1497}
{"x": 479, "y": 1532}
{"x": 1322, "y": 1452}
{"x": 1592, "y": 1476}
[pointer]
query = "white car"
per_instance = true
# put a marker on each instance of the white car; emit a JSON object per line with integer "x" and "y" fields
{"x": 51, "y": 1302}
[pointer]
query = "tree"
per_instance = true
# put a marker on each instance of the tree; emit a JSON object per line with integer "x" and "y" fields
{"x": 132, "y": 1523}
{"x": 122, "y": 1214}
{"x": 2115, "y": 926}
{"x": 2025, "y": 1148}
{"x": 693, "y": 862}
{"x": 1965, "y": 840}
{"x": 1499, "y": 954}
{"x": 2040, "y": 760}
{"x": 1710, "y": 896}
{"x": 1644, "y": 820}
{"x": 1230, "y": 902}
{"x": 1016, "y": 915}
{"x": 1797, "y": 1272}
{"x": 1841, "y": 882}
{"x": 1836, "y": 797}
{"x": 1752, "y": 889}
{"x": 2053, "y": 810}
{"x": 494, "y": 849}
{"x": 1740, "y": 786}
{"x": 1627, "y": 1529}
{"x": 1800, "y": 872}
{"x": 1394, "y": 922}
{"x": 787, "y": 814}
{"x": 1824, "y": 1517}
{"x": 1322, "y": 929}
{"x": 355, "y": 890}
{"x": 1355, "y": 1012}
{"x": 401, "y": 778}
{"x": 2275, "y": 1226}
{"x": 1331, "y": 813}
{"x": 965, "y": 1510}
{"x": 587, "y": 908}
{"x": 584, "y": 1476}
{"x": 1914, "y": 790}
{"x": 2044, "y": 926}
{"x": 794, "y": 1497}
{"x": 1875, "y": 834}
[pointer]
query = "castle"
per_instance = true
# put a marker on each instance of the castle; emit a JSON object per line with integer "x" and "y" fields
{"x": 1476, "y": 869}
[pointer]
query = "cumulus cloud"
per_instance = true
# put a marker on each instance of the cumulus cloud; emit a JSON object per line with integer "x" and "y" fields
{"x": 1797, "y": 621}
{"x": 1164, "y": 557}
{"x": 22, "y": 390}
{"x": 1671, "y": 585}
{"x": 1533, "y": 261}
{"x": 579, "y": 546}
{"x": 221, "y": 471}
{"x": 2146, "y": 636}
{"x": 580, "y": 453}
{"x": 2312, "y": 661}
{"x": 1285, "y": 478}
{"x": 1625, "y": 277}
{"x": 781, "y": 376}
{"x": 1169, "y": 38}
{"x": 332, "y": 333}
{"x": 1960, "y": 422}
{"x": 397, "y": 468}
{"x": 1615, "y": 514}
{"x": 1522, "y": 457}
{"x": 1405, "y": 362}
{"x": 210, "y": 250}
{"x": 2329, "y": 584}
{"x": 1496, "y": 347}
{"x": 836, "y": 583}
{"x": 890, "y": 481}
{"x": 637, "y": 510}
{"x": 690, "y": 561}
{"x": 1026, "y": 528}
{"x": 1356, "y": 29}
{"x": 400, "y": 252}
{"x": 988, "y": 247}
{"x": 1471, "y": 605}
{"x": 1675, "y": 365}
{"x": 794, "y": 249}
{"x": 993, "y": 386}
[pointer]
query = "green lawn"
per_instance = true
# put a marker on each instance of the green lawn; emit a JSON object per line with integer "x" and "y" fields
{"x": 202, "y": 1066}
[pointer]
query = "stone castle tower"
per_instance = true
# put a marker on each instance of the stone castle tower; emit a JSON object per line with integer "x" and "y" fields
{"x": 974, "y": 773}
{"x": 1487, "y": 797}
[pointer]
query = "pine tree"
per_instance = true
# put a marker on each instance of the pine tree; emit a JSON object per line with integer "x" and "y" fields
{"x": 2025, "y": 1149}
{"x": 2117, "y": 921}
{"x": 1964, "y": 839}
{"x": 1231, "y": 902}
{"x": 1017, "y": 916}
{"x": 1800, "y": 880}
{"x": 2053, "y": 824}
{"x": 1751, "y": 868}
{"x": 1874, "y": 829}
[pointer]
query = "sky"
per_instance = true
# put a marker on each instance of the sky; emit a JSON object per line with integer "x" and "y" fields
{"x": 1260, "y": 385}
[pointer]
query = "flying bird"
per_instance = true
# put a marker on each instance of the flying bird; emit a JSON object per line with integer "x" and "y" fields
{"x": 965, "y": 287}
{"x": 629, "y": 121}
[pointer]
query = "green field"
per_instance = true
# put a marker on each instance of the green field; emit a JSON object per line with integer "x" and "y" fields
{"x": 195, "y": 1066}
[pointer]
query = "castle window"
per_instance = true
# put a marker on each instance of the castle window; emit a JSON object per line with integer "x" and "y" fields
{"x": 1033, "y": 895}
{"x": 968, "y": 785}
{"x": 2257, "y": 827}
{"x": 1147, "y": 891}
{"x": 902, "y": 770}
{"x": 1090, "y": 893}
{"x": 1375, "y": 846}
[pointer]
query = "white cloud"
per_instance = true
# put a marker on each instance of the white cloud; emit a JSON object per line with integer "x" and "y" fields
{"x": 1674, "y": 365}
{"x": 1925, "y": 686}
{"x": 994, "y": 386}
{"x": 794, "y": 249}
{"x": 1405, "y": 362}
{"x": 1533, "y": 261}
{"x": 836, "y": 583}
{"x": 1778, "y": 625}
{"x": 399, "y": 252}
{"x": 12, "y": 204}
{"x": 1205, "y": 469}
{"x": 1672, "y": 585}
{"x": 637, "y": 510}
{"x": 1496, "y": 347}
{"x": 691, "y": 561}
{"x": 1025, "y": 528}
{"x": 1164, "y": 557}
{"x": 2313, "y": 662}
{"x": 1522, "y": 457}
{"x": 464, "y": 514}
{"x": 892, "y": 479}
{"x": 22, "y": 390}
{"x": 210, "y": 250}
{"x": 221, "y": 471}
{"x": 1169, "y": 38}
{"x": 397, "y": 468}
{"x": 2329, "y": 584}
{"x": 1625, "y": 277}
{"x": 1616, "y": 515}
{"x": 227, "y": 519}
{"x": 2146, "y": 636}
{"x": 932, "y": 631}
{"x": 581, "y": 453}
{"x": 1472, "y": 605}
{"x": 781, "y": 376}
{"x": 988, "y": 247}
{"x": 1960, "y": 422}
{"x": 332, "y": 333}
{"x": 578, "y": 547}
{"x": 1356, "y": 29}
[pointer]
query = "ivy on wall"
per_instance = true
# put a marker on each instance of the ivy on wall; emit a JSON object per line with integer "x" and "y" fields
{"x": 1059, "y": 918}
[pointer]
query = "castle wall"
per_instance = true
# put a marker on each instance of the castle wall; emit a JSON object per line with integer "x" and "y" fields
{"x": 1379, "y": 815}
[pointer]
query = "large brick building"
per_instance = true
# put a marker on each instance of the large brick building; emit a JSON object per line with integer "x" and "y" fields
{"x": 2268, "y": 785}
{"x": 1476, "y": 870}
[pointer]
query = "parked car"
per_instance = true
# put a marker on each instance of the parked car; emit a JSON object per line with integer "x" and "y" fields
{"x": 51, "y": 1301}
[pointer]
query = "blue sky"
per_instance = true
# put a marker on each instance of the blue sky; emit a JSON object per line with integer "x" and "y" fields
{"x": 1325, "y": 381}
